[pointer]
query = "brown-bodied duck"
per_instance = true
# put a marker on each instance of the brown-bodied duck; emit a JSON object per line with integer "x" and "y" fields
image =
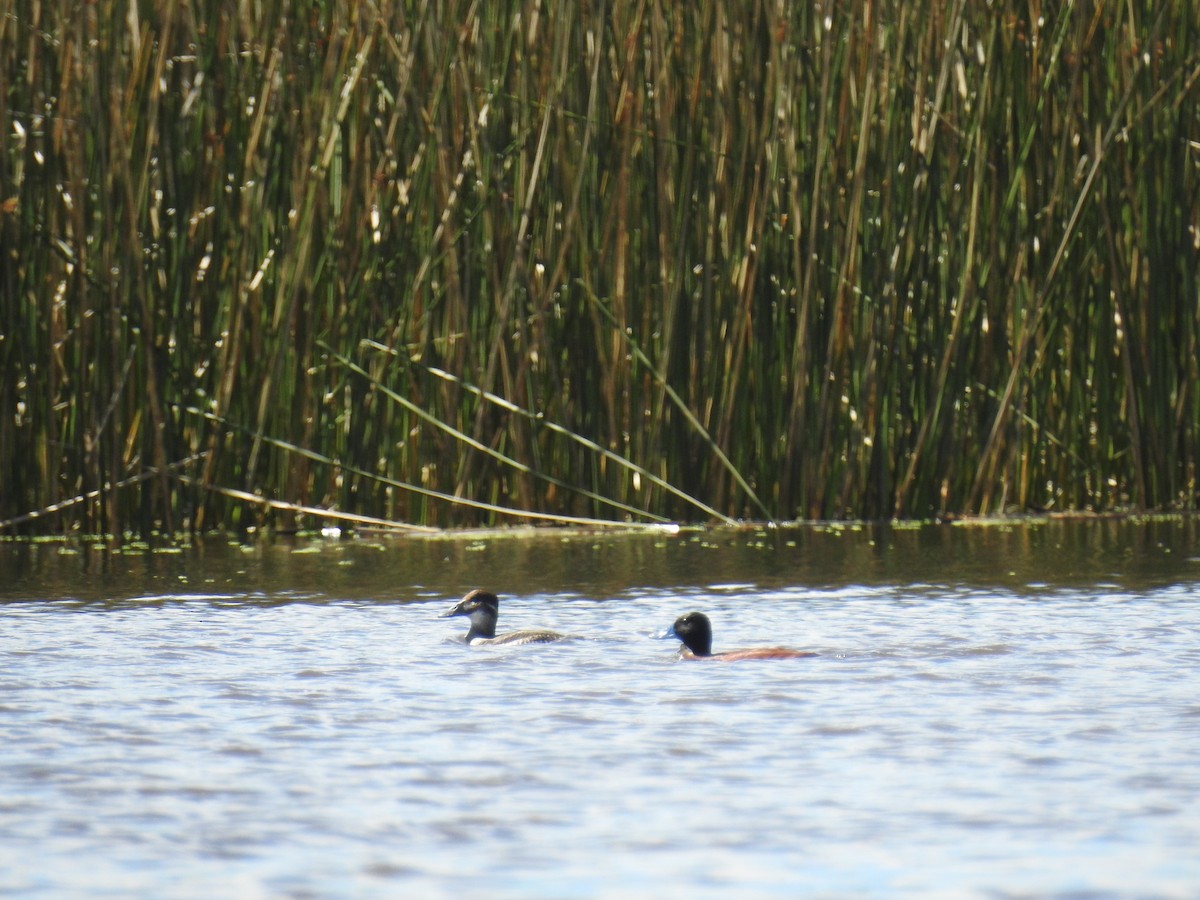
{"x": 695, "y": 631}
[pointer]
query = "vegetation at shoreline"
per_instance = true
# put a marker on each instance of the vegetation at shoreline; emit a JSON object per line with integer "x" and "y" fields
{"x": 435, "y": 264}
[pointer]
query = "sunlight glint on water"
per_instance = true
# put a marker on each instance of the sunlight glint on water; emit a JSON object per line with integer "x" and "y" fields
{"x": 957, "y": 736}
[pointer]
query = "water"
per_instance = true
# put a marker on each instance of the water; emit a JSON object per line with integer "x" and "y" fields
{"x": 999, "y": 712}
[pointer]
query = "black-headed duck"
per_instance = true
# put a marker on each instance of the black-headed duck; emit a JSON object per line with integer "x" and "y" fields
{"x": 695, "y": 631}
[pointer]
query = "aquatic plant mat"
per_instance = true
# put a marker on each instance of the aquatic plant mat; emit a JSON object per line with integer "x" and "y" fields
{"x": 449, "y": 264}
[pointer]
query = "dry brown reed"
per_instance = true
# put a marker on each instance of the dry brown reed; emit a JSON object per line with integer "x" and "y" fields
{"x": 447, "y": 263}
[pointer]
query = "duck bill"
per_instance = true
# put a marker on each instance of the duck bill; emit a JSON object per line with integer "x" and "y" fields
{"x": 455, "y": 610}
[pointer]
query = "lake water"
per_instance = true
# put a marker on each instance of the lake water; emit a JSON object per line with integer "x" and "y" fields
{"x": 995, "y": 712}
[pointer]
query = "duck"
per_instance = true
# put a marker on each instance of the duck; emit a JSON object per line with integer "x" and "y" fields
{"x": 695, "y": 631}
{"x": 482, "y": 607}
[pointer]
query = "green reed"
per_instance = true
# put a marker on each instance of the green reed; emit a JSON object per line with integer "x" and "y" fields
{"x": 433, "y": 264}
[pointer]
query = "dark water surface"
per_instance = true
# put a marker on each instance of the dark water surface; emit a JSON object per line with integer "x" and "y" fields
{"x": 996, "y": 712}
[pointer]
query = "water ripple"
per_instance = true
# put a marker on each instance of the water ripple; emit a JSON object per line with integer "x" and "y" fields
{"x": 947, "y": 741}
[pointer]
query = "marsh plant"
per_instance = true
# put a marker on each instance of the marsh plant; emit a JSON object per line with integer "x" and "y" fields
{"x": 452, "y": 263}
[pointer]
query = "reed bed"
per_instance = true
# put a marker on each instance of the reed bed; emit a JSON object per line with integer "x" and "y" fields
{"x": 449, "y": 263}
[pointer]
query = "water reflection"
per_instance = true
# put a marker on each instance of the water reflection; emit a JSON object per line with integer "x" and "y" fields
{"x": 1041, "y": 555}
{"x": 995, "y": 712}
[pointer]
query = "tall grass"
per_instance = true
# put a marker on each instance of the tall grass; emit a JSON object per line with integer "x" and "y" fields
{"x": 447, "y": 263}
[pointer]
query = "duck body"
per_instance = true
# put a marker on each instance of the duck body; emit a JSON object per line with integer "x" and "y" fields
{"x": 695, "y": 632}
{"x": 482, "y": 608}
